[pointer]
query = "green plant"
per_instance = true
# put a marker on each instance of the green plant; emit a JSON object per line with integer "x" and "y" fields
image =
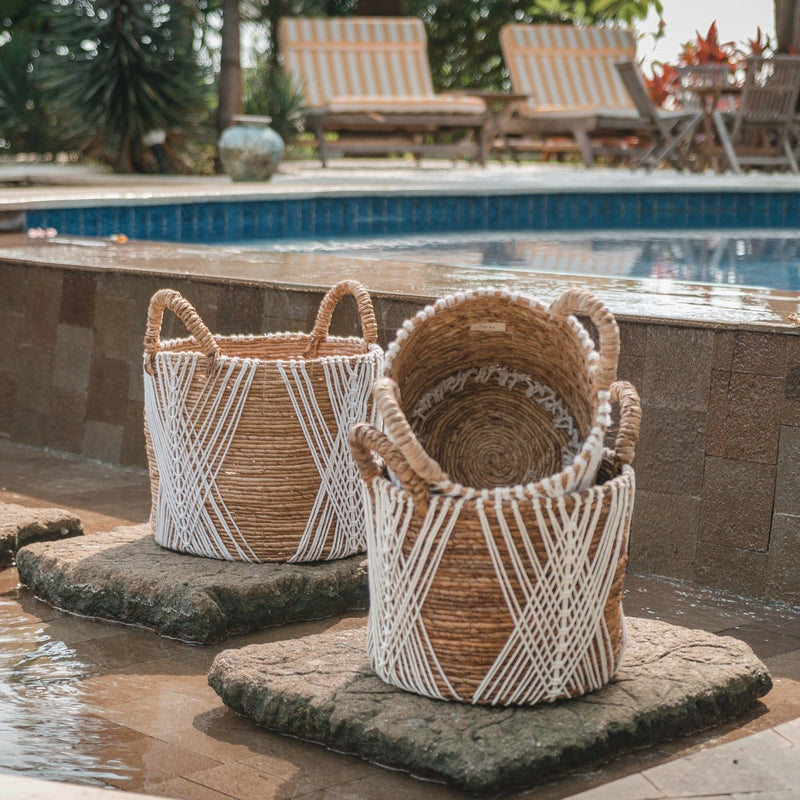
{"x": 269, "y": 91}
{"x": 463, "y": 35}
{"x": 125, "y": 67}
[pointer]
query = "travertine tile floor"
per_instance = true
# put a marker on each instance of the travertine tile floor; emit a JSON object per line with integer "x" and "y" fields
{"x": 120, "y": 707}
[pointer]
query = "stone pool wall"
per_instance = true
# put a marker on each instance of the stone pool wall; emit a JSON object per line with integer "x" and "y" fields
{"x": 718, "y": 489}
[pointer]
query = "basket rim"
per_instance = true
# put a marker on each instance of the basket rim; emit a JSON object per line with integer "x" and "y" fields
{"x": 458, "y": 298}
{"x": 512, "y": 494}
{"x": 371, "y": 351}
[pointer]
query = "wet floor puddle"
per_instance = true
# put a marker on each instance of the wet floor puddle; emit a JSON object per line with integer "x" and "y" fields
{"x": 46, "y": 728}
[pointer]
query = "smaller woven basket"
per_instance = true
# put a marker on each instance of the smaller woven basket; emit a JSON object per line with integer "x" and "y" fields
{"x": 247, "y": 435}
{"x": 497, "y": 599}
{"x": 489, "y": 389}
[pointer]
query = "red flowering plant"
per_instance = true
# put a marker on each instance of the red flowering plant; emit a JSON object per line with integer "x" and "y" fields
{"x": 664, "y": 86}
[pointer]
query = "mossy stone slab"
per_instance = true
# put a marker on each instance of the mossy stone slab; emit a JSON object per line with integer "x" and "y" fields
{"x": 20, "y": 525}
{"x": 124, "y": 576}
{"x": 672, "y": 681}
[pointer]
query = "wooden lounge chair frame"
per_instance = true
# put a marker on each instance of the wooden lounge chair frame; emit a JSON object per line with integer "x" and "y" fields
{"x": 567, "y": 72}
{"x": 760, "y": 133}
{"x": 671, "y": 132}
{"x": 368, "y": 80}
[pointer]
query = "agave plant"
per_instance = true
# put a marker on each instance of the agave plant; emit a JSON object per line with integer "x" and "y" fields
{"x": 128, "y": 67}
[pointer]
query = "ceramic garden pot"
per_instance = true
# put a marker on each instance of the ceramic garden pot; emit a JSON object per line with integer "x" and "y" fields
{"x": 250, "y": 150}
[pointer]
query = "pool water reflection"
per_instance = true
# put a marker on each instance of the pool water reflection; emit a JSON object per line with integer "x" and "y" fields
{"x": 758, "y": 258}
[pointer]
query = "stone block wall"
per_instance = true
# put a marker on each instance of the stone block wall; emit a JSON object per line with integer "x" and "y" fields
{"x": 718, "y": 492}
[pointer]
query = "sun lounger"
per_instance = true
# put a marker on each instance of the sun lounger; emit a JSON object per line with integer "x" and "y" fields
{"x": 368, "y": 80}
{"x": 568, "y": 75}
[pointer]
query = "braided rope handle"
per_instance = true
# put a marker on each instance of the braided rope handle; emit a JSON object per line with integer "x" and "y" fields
{"x": 579, "y": 301}
{"x": 184, "y": 310}
{"x": 630, "y": 419}
{"x": 366, "y": 313}
{"x": 387, "y": 400}
{"x": 366, "y": 442}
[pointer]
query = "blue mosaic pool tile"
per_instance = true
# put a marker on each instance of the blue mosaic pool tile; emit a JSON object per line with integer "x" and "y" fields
{"x": 216, "y": 223}
{"x": 474, "y": 212}
{"x": 647, "y": 210}
{"x": 249, "y": 220}
{"x": 170, "y": 221}
{"x": 408, "y": 214}
{"x": 202, "y": 222}
{"x": 779, "y": 204}
{"x": 426, "y": 220}
{"x": 631, "y": 211}
{"x": 187, "y": 222}
{"x": 395, "y": 214}
{"x": 494, "y": 212}
{"x": 792, "y": 210}
{"x": 108, "y": 224}
{"x": 41, "y": 218}
{"x": 74, "y": 221}
{"x": 234, "y": 220}
{"x": 293, "y": 217}
{"x": 125, "y": 220}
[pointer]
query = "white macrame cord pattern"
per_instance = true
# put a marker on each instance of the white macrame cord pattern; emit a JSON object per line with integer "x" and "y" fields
{"x": 340, "y": 500}
{"x": 190, "y": 443}
{"x": 560, "y": 643}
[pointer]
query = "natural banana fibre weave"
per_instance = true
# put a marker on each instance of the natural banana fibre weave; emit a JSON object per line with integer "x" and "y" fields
{"x": 496, "y": 598}
{"x": 247, "y": 436}
{"x": 490, "y": 388}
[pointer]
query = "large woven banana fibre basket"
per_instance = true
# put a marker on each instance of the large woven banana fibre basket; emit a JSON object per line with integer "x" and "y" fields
{"x": 497, "y": 599}
{"x": 491, "y": 389}
{"x": 247, "y": 435}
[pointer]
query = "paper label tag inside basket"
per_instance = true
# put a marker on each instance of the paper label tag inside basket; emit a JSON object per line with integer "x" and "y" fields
{"x": 488, "y": 327}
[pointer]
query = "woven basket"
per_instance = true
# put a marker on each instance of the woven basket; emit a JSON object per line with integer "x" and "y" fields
{"x": 491, "y": 389}
{"x": 496, "y": 599}
{"x": 247, "y": 435}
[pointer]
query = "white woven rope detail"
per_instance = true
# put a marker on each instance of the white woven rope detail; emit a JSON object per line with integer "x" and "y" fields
{"x": 398, "y": 645}
{"x": 189, "y": 446}
{"x": 542, "y": 394}
{"x": 337, "y": 518}
{"x": 560, "y": 644}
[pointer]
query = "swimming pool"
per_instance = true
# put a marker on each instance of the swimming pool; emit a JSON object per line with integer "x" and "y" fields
{"x": 746, "y": 258}
{"x": 734, "y": 236}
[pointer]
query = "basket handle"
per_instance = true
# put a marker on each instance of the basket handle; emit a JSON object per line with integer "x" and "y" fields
{"x": 387, "y": 400}
{"x": 582, "y": 302}
{"x": 367, "y": 441}
{"x": 184, "y": 310}
{"x": 366, "y": 313}
{"x": 630, "y": 419}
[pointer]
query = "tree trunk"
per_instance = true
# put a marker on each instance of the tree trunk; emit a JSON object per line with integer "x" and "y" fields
{"x": 787, "y": 26}
{"x": 230, "y": 69}
{"x": 381, "y": 8}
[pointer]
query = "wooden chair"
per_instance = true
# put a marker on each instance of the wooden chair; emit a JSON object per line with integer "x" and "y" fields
{"x": 368, "y": 80}
{"x": 568, "y": 75}
{"x": 671, "y": 132}
{"x": 760, "y": 132}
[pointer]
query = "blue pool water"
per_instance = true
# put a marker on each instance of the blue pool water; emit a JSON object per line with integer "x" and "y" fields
{"x": 738, "y": 238}
{"x": 755, "y": 258}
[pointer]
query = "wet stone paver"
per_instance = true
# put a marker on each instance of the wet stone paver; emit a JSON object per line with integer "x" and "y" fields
{"x": 124, "y": 576}
{"x": 20, "y": 525}
{"x": 672, "y": 681}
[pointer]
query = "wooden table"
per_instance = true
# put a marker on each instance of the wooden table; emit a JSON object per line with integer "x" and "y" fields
{"x": 500, "y": 107}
